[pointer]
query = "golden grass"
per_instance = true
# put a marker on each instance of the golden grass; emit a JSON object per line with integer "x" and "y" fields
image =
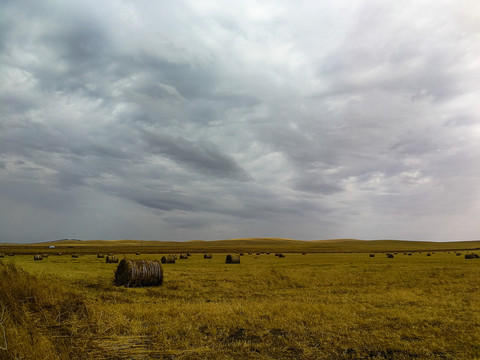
{"x": 314, "y": 306}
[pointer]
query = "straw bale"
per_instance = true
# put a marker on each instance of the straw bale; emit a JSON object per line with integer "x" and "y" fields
{"x": 112, "y": 259}
{"x": 169, "y": 259}
{"x": 135, "y": 273}
{"x": 183, "y": 256}
{"x": 38, "y": 257}
{"x": 232, "y": 259}
{"x": 207, "y": 256}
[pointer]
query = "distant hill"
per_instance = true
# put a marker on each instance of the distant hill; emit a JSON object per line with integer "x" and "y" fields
{"x": 248, "y": 245}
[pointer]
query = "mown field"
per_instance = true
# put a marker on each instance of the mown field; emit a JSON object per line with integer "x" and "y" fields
{"x": 313, "y": 306}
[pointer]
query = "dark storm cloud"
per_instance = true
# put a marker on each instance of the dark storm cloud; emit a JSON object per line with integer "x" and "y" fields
{"x": 203, "y": 156}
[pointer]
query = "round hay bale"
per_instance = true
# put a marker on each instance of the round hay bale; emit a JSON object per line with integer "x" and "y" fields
{"x": 38, "y": 257}
{"x": 100, "y": 256}
{"x": 59, "y": 254}
{"x": 371, "y": 255}
{"x": 137, "y": 253}
{"x": 207, "y": 256}
{"x": 45, "y": 255}
{"x": 428, "y": 254}
{"x": 304, "y": 253}
{"x": 111, "y": 259}
{"x": 188, "y": 254}
{"x": 390, "y": 256}
{"x": 458, "y": 254}
{"x": 2, "y": 255}
{"x": 471, "y": 256}
{"x": 74, "y": 255}
{"x": 135, "y": 273}
{"x": 169, "y": 259}
{"x": 183, "y": 256}
{"x": 232, "y": 259}
{"x": 409, "y": 254}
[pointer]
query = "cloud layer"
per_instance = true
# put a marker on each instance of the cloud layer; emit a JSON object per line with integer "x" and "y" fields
{"x": 188, "y": 120}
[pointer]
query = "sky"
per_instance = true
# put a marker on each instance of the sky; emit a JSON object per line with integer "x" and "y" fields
{"x": 183, "y": 120}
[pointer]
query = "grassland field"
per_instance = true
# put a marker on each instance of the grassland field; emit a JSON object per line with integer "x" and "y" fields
{"x": 332, "y": 305}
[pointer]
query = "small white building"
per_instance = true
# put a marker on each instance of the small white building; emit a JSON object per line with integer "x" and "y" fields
{"x": 51, "y": 246}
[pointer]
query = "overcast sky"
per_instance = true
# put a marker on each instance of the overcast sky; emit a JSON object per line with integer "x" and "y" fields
{"x": 182, "y": 120}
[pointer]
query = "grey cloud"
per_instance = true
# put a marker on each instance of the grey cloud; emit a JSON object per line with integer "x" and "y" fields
{"x": 203, "y": 156}
{"x": 195, "y": 122}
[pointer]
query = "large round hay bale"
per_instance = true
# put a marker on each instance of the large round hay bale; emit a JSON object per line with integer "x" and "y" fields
{"x": 371, "y": 255}
{"x": 471, "y": 256}
{"x": 183, "y": 256}
{"x": 169, "y": 259}
{"x": 207, "y": 256}
{"x": 100, "y": 256}
{"x": 111, "y": 259}
{"x": 134, "y": 273}
{"x": 428, "y": 254}
{"x": 281, "y": 255}
{"x": 232, "y": 259}
{"x": 38, "y": 257}
{"x": 390, "y": 256}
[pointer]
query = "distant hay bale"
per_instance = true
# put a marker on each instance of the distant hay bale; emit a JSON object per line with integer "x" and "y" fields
{"x": 207, "y": 256}
{"x": 169, "y": 259}
{"x": 2, "y": 255}
{"x": 135, "y": 273}
{"x": 428, "y": 254}
{"x": 59, "y": 254}
{"x": 471, "y": 256}
{"x": 111, "y": 259}
{"x": 409, "y": 254}
{"x": 100, "y": 256}
{"x": 241, "y": 254}
{"x": 304, "y": 253}
{"x": 458, "y": 254}
{"x": 137, "y": 253}
{"x": 371, "y": 255}
{"x": 281, "y": 255}
{"x": 390, "y": 256}
{"x": 74, "y": 255}
{"x": 232, "y": 259}
{"x": 258, "y": 253}
{"x": 188, "y": 254}
{"x": 45, "y": 255}
{"x": 183, "y": 256}
{"x": 38, "y": 257}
